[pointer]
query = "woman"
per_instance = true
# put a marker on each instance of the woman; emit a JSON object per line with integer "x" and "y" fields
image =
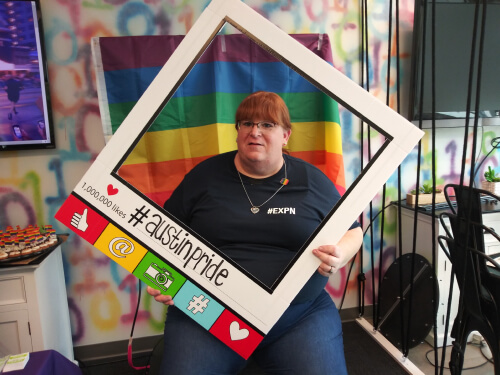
{"x": 258, "y": 205}
{"x": 13, "y": 87}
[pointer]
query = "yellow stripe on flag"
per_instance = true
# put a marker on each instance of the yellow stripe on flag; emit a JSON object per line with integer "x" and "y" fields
{"x": 183, "y": 143}
{"x": 315, "y": 136}
{"x": 218, "y": 138}
{"x": 333, "y": 138}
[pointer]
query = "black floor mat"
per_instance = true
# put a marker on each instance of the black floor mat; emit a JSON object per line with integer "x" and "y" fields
{"x": 364, "y": 355}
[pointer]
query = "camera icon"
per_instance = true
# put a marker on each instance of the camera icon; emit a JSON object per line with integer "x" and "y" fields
{"x": 159, "y": 276}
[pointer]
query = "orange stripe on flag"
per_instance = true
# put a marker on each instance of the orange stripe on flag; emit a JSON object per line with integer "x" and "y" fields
{"x": 329, "y": 163}
{"x": 169, "y": 174}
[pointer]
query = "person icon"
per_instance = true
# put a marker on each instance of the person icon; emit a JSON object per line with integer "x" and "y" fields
{"x": 13, "y": 87}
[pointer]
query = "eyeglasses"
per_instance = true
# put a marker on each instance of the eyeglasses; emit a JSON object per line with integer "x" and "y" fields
{"x": 264, "y": 126}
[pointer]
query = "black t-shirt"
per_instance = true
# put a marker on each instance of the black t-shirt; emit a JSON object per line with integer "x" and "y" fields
{"x": 212, "y": 202}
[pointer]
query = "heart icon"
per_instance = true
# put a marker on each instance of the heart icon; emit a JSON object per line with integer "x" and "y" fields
{"x": 236, "y": 332}
{"x": 112, "y": 190}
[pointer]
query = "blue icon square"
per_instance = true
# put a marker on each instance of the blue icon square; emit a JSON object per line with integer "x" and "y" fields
{"x": 198, "y": 305}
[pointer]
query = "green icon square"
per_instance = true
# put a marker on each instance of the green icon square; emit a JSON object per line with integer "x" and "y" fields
{"x": 159, "y": 275}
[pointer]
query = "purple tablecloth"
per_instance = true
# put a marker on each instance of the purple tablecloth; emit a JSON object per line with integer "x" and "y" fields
{"x": 48, "y": 362}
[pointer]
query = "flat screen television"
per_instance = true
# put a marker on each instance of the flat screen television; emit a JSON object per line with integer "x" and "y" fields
{"x": 25, "y": 115}
{"x": 454, "y": 29}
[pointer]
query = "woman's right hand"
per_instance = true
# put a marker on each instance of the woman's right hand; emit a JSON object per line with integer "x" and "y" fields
{"x": 166, "y": 300}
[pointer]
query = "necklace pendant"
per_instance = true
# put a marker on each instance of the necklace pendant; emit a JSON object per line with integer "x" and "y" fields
{"x": 254, "y": 210}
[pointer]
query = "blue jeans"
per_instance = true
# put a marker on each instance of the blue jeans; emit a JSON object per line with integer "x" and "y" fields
{"x": 307, "y": 339}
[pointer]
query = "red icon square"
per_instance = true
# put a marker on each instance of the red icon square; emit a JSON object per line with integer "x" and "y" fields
{"x": 81, "y": 219}
{"x": 236, "y": 334}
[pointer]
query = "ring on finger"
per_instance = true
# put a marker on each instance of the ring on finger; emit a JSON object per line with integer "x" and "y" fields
{"x": 331, "y": 269}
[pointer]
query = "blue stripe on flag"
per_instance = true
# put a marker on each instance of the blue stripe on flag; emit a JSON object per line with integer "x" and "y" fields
{"x": 128, "y": 85}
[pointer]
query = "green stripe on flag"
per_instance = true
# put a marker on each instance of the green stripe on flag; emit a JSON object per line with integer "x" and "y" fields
{"x": 194, "y": 111}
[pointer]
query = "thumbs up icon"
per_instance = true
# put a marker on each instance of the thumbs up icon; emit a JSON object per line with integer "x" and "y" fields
{"x": 80, "y": 221}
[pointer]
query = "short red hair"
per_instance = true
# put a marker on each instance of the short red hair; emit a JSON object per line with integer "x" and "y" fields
{"x": 264, "y": 105}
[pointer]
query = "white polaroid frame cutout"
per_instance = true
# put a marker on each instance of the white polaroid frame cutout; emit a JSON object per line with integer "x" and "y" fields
{"x": 260, "y": 307}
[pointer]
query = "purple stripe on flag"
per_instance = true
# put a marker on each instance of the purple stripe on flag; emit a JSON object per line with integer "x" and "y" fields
{"x": 152, "y": 51}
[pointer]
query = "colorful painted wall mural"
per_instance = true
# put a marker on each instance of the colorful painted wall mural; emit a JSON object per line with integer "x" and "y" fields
{"x": 33, "y": 184}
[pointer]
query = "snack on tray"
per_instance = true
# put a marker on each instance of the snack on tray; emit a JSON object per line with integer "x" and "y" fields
{"x": 14, "y": 253}
{"x": 26, "y": 251}
{"x": 24, "y": 242}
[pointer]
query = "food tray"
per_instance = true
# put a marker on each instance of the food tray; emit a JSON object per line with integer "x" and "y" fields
{"x": 32, "y": 255}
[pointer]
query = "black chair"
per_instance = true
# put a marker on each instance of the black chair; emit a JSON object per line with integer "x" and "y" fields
{"x": 477, "y": 274}
{"x": 467, "y": 204}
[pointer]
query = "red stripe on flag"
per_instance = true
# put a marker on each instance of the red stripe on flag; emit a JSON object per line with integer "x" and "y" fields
{"x": 167, "y": 175}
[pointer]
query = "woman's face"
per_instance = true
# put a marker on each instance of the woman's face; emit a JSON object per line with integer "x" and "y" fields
{"x": 258, "y": 144}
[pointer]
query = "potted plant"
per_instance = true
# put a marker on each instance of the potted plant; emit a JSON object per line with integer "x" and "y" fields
{"x": 425, "y": 195}
{"x": 491, "y": 181}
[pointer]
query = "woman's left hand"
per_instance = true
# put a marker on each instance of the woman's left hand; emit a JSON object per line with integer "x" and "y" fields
{"x": 334, "y": 257}
{"x": 331, "y": 259}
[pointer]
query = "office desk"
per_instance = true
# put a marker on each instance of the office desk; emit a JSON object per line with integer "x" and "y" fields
{"x": 48, "y": 362}
{"x": 424, "y": 244}
{"x": 34, "y": 312}
{"x": 491, "y": 218}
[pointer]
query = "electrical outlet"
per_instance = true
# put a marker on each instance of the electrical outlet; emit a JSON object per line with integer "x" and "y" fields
{"x": 477, "y": 339}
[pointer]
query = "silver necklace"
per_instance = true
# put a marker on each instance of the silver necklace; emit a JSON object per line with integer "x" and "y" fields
{"x": 255, "y": 208}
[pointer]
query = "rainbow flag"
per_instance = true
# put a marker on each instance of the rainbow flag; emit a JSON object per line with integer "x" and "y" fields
{"x": 198, "y": 121}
